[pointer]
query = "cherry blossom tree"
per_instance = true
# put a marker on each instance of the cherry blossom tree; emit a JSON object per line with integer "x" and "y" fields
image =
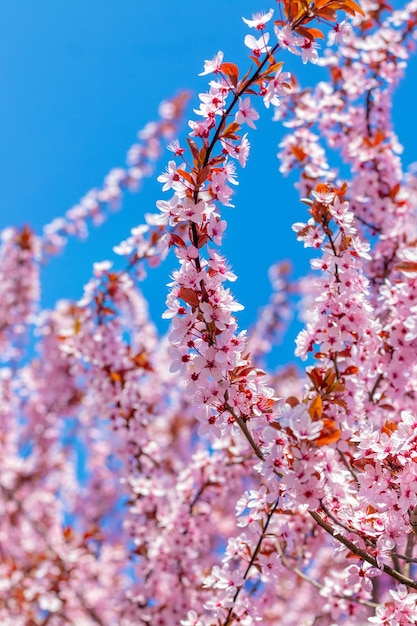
{"x": 163, "y": 480}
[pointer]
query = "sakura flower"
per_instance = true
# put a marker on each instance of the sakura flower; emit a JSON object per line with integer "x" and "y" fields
{"x": 401, "y": 594}
{"x": 270, "y": 565}
{"x": 174, "y": 146}
{"x": 218, "y": 265}
{"x": 287, "y": 39}
{"x": 224, "y": 579}
{"x": 361, "y": 576}
{"x": 341, "y": 33}
{"x": 309, "y": 52}
{"x": 324, "y": 195}
{"x": 180, "y": 358}
{"x": 304, "y": 343}
{"x": 259, "y": 20}
{"x": 212, "y": 103}
{"x": 229, "y": 169}
{"x": 201, "y": 128}
{"x": 280, "y": 85}
{"x": 238, "y": 151}
{"x": 192, "y": 619}
{"x": 213, "y": 65}
{"x": 169, "y": 212}
{"x": 246, "y": 113}
{"x": 411, "y": 325}
{"x": 194, "y": 212}
{"x": 220, "y": 190}
{"x": 215, "y": 228}
{"x": 258, "y": 46}
{"x": 101, "y": 268}
{"x": 309, "y": 234}
{"x": 215, "y": 314}
{"x": 301, "y": 424}
{"x": 171, "y": 178}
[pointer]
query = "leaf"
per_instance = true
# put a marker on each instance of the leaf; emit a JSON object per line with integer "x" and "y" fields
{"x": 317, "y": 33}
{"x": 189, "y": 296}
{"x": 309, "y": 33}
{"x": 328, "y": 14}
{"x": 406, "y": 266}
{"x": 336, "y": 73}
{"x": 68, "y": 534}
{"x": 141, "y": 360}
{"x": 203, "y": 175}
{"x": 25, "y": 238}
{"x": 202, "y": 239}
{"x": 186, "y": 175}
{"x": 354, "y": 7}
{"x": 299, "y": 153}
{"x": 201, "y": 156}
{"x": 231, "y": 71}
{"x": 255, "y": 59}
{"x": 292, "y": 401}
{"x": 273, "y": 68}
{"x": 193, "y": 147}
{"x": 107, "y": 310}
{"x": 388, "y": 428}
{"x": 176, "y": 240}
{"x": 316, "y": 409}
{"x": 230, "y": 130}
{"x": 315, "y": 377}
{"x": 245, "y": 77}
{"x": 115, "y": 377}
{"x": 329, "y": 434}
{"x": 362, "y": 463}
{"x": 352, "y": 369}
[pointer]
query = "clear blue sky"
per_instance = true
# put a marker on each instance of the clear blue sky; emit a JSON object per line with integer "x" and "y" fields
{"x": 79, "y": 78}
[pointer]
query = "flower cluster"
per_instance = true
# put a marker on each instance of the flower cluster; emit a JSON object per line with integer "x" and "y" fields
{"x": 140, "y": 159}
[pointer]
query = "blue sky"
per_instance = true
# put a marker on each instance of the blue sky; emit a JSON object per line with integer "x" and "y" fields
{"x": 79, "y": 78}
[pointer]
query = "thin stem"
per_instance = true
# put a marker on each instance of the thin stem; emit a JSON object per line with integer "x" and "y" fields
{"x": 229, "y": 617}
{"x": 316, "y": 584}
{"x": 242, "y": 425}
{"x": 348, "y": 466}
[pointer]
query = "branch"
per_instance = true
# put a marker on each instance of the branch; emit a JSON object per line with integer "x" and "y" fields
{"x": 409, "y": 582}
{"x": 245, "y": 430}
{"x": 318, "y": 585}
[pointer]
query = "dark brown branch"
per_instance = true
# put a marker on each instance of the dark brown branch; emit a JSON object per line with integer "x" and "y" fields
{"x": 409, "y": 582}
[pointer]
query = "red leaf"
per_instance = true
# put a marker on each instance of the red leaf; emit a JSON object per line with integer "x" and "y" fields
{"x": 189, "y": 296}
{"x": 231, "y": 71}
{"x": 406, "y": 266}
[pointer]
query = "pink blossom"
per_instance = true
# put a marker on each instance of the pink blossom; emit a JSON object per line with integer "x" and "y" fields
{"x": 213, "y": 65}
{"x": 258, "y": 46}
{"x": 259, "y": 20}
{"x": 246, "y": 113}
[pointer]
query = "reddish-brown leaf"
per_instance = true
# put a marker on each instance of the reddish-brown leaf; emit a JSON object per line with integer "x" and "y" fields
{"x": 176, "y": 240}
{"x": 231, "y": 71}
{"x": 203, "y": 175}
{"x": 388, "y": 428}
{"x": 193, "y": 147}
{"x": 189, "y": 296}
{"x": 316, "y": 409}
{"x": 329, "y": 434}
{"x": 230, "y": 130}
{"x": 186, "y": 175}
{"x": 406, "y": 266}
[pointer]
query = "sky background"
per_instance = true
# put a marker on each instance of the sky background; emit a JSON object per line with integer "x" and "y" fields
{"x": 80, "y": 78}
